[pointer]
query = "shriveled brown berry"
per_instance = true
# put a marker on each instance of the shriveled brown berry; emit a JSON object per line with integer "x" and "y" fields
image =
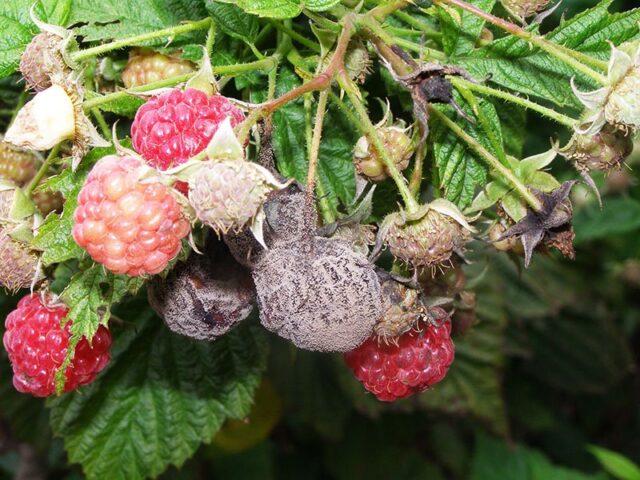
{"x": 147, "y": 67}
{"x": 42, "y": 60}
{"x": 503, "y": 244}
{"x": 403, "y": 308}
{"x": 204, "y": 297}
{"x": 319, "y": 294}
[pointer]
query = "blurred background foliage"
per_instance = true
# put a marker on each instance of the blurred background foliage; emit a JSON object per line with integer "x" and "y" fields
{"x": 545, "y": 384}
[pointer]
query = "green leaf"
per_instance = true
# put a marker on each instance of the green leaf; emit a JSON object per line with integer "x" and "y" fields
{"x": 18, "y": 29}
{"x": 335, "y": 165}
{"x": 616, "y": 464}
{"x": 617, "y": 216}
{"x": 54, "y": 237}
{"x": 90, "y": 295}
{"x": 460, "y": 171}
{"x": 124, "y": 107}
{"x": 495, "y": 460}
{"x": 473, "y": 384}
{"x": 460, "y": 34}
{"x": 514, "y": 64}
{"x": 233, "y": 21}
{"x": 282, "y": 8}
{"x": 161, "y": 396}
{"x": 109, "y": 19}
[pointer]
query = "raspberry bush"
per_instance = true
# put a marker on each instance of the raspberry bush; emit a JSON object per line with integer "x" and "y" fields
{"x": 321, "y": 238}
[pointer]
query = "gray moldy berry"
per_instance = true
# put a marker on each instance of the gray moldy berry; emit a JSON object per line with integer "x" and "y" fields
{"x": 205, "y": 297}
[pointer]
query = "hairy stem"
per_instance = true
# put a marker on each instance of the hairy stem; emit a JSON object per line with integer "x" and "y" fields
{"x": 427, "y": 30}
{"x": 302, "y": 40}
{"x": 509, "y": 97}
{"x": 374, "y": 28}
{"x": 42, "y": 171}
{"x": 564, "y": 54}
{"x": 418, "y": 166}
{"x": 137, "y": 39}
{"x": 492, "y": 161}
{"x": 314, "y": 150}
{"x": 370, "y": 131}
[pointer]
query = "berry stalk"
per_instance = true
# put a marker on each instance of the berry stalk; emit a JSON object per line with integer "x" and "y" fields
{"x": 87, "y": 53}
{"x": 493, "y": 162}
{"x": 369, "y": 129}
{"x": 523, "y": 102}
{"x": 53, "y": 154}
{"x": 314, "y": 150}
{"x": 319, "y": 82}
{"x": 564, "y": 54}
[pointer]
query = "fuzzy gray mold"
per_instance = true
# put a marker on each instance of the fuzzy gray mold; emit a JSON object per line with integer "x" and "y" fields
{"x": 205, "y": 297}
{"x": 319, "y": 294}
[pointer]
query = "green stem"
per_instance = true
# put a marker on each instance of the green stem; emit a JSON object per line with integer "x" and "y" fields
{"x": 374, "y": 27}
{"x": 424, "y": 28}
{"x": 295, "y": 35}
{"x": 561, "y": 53}
{"x": 492, "y": 161}
{"x": 266, "y": 64}
{"x": 319, "y": 82}
{"x": 509, "y": 97}
{"x": 42, "y": 171}
{"x": 211, "y": 39}
{"x": 104, "y": 127}
{"x": 137, "y": 39}
{"x": 314, "y": 150}
{"x": 326, "y": 210}
{"x": 586, "y": 59}
{"x": 381, "y": 12}
{"x": 418, "y": 166}
{"x": 369, "y": 129}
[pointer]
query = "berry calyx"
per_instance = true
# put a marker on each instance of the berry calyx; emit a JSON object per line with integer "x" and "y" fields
{"x": 148, "y": 66}
{"x": 131, "y": 227}
{"x": 416, "y": 361}
{"x": 37, "y": 346}
{"x": 174, "y": 126}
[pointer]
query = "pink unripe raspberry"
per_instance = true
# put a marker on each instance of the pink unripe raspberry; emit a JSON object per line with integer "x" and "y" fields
{"x": 37, "y": 346}
{"x": 131, "y": 227}
{"x": 415, "y": 362}
{"x": 174, "y": 126}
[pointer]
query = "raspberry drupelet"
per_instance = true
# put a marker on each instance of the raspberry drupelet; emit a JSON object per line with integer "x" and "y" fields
{"x": 37, "y": 345}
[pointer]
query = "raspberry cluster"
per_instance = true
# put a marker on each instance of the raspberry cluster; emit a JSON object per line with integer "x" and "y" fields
{"x": 129, "y": 226}
{"x": 37, "y": 345}
{"x": 418, "y": 360}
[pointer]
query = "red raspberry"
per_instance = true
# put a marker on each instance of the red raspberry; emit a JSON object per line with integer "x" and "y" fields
{"x": 418, "y": 360}
{"x": 173, "y": 127}
{"x": 37, "y": 346}
{"x": 129, "y": 226}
